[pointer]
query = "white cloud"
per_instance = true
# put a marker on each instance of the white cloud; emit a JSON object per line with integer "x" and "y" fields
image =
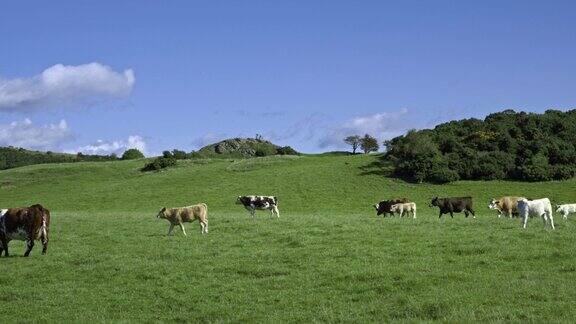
{"x": 37, "y": 137}
{"x": 382, "y": 126}
{"x": 64, "y": 86}
{"x": 101, "y": 147}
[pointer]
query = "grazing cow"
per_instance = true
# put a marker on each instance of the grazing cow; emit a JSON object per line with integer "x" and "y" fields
{"x": 384, "y": 206}
{"x": 537, "y": 207}
{"x": 508, "y": 205}
{"x": 404, "y": 208}
{"x": 253, "y": 203}
{"x": 181, "y": 215}
{"x": 24, "y": 224}
{"x": 453, "y": 205}
{"x": 566, "y": 209}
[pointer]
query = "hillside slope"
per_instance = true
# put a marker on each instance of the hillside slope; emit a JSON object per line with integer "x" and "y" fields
{"x": 304, "y": 184}
{"x": 326, "y": 259}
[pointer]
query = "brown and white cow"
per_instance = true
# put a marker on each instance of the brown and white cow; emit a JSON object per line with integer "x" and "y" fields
{"x": 181, "y": 215}
{"x": 384, "y": 206}
{"x": 24, "y": 224}
{"x": 505, "y": 205}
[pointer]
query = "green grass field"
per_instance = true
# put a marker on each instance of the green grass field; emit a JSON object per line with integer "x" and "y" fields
{"x": 328, "y": 258}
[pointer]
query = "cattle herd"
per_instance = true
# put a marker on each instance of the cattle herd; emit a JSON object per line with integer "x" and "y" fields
{"x": 33, "y": 223}
{"x": 511, "y": 206}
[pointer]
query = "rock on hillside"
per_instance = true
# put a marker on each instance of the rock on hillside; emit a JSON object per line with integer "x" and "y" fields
{"x": 247, "y": 147}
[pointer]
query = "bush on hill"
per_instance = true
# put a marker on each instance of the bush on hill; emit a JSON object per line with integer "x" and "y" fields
{"x": 132, "y": 154}
{"x": 505, "y": 145}
{"x": 286, "y": 150}
{"x": 159, "y": 163}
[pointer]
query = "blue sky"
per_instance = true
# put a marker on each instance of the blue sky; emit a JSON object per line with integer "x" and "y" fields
{"x": 101, "y": 76}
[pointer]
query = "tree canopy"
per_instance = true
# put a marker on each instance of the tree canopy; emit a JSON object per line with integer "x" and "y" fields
{"x": 505, "y": 145}
{"x": 132, "y": 154}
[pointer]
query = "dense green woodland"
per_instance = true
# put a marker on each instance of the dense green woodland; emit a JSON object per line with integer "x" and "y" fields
{"x": 505, "y": 145}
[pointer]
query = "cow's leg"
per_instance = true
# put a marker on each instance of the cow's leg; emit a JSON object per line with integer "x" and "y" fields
{"x": 544, "y": 219}
{"x": 414, "y": 213}
{"x": 473, "y": 213}
{"x": 170, "y": 229}
{"x": 440, "y": 216}
{"x": 205, "y": 227}
{"x": 551, "y": 219}
{"x": 466, "y": 213}
{"x": 29, "y": 245}
{"x": 277, "y": 211}
{"x": 452, "y": 214}
{"x": 4, "y": 243}
{"x": 183, "y": 230}
{"x": 525, "y": 219}
{"x": 44, "y": 239}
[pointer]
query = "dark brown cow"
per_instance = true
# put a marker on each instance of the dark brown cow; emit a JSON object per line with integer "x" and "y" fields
{"x": 25, "y": 224}
{"x": 453, "y": 205}
{"x": 384, "y": 206}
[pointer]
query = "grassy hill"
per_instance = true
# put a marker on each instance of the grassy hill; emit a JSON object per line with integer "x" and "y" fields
{"x": 327, "y": 258}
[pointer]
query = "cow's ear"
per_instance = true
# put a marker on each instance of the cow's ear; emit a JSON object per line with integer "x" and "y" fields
{"x": 163, "y": 209}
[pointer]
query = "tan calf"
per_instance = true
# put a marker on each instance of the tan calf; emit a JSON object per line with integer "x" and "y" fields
{"x": 181, "y": 215}
{"x": 505, "y": 205}
{"x": 404, "y": 208}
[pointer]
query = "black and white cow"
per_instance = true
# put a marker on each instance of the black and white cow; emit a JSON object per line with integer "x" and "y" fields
{"x": 253, "y": 203}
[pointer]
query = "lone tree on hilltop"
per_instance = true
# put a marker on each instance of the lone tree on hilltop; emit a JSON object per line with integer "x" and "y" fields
{"x": 369, "y": 144}
{"x": 354, "y": 141}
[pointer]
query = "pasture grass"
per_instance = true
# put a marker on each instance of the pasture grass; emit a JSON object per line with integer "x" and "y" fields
{"x": 328, "y": 258}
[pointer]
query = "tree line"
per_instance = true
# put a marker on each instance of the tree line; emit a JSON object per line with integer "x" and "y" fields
{"x": 505, "y": 145}
{"x": 13, "y": 157}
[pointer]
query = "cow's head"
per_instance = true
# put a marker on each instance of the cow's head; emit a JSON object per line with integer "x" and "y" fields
{"x": 494, "y": 204}
{"x": 162, "y": 213}
{"x": 558, "y": 207}
{"x": 433, "y": 202}
{"x": 522, "y": 202}
{"x": 376, "y": 206}
{"x": 239, "y": 200}
{"x": 394, "y": 208}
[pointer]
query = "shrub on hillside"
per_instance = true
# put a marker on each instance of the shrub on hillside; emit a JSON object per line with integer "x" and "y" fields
{"x": 286, "y": 150}
{"x": 132, "y": 154}
{"x": 179, "y": 155}
{"x": 262, "y": 149}
{"x": 159, "y": 164}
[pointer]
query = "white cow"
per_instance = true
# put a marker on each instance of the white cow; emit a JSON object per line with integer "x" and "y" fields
{"x": 538, "y": 207}
{"x": 566, "y": 209}
{"x": 404, "y": 208}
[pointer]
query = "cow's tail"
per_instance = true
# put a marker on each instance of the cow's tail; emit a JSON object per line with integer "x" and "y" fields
{"x": 45, "y": 219}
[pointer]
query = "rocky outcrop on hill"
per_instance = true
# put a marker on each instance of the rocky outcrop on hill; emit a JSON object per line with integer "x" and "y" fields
{"x": 247, "y": 147}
